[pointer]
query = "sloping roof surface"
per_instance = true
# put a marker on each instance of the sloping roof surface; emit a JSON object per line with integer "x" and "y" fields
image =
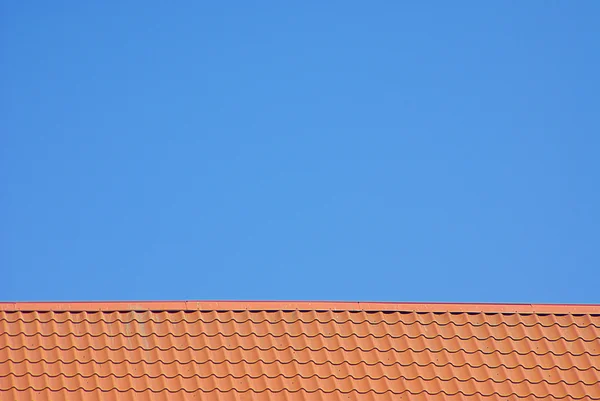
{"x": 298, "y": 351}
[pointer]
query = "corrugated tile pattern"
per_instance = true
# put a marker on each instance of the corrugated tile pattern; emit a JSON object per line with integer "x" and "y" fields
{"x": 298, "y": 355}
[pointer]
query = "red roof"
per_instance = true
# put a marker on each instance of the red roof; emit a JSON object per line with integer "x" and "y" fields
{"x": 298, "y": 351}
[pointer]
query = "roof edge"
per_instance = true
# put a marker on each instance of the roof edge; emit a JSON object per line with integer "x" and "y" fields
{"x": 298, "y": 305}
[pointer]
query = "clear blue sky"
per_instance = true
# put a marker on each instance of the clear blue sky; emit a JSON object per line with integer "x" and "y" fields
{"x": 386, "y": 151}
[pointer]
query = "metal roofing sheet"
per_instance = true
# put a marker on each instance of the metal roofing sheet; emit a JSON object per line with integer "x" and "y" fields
{"x": 298, "y": 351}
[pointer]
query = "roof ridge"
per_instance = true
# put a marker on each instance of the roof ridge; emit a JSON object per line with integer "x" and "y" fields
{"x": 436, "y": 307}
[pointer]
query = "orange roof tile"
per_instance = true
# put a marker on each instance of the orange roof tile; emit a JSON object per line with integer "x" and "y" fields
{"x": 298, "y": 351}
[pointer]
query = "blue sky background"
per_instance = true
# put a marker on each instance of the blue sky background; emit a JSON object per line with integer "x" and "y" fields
{"x": 386, "y": 151}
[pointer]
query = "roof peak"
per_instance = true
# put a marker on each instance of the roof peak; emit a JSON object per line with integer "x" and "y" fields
{"x": 96, "y": 306}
